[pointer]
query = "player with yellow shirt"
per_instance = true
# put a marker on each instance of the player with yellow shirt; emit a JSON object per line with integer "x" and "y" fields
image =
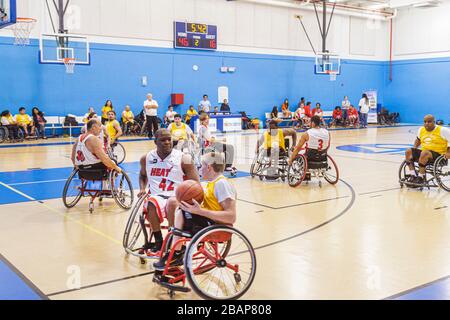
{"x": 25, "y": 122}
{"x": 190, "y": 113}
{"x": 434, "y": 141}
{"x": 113, "y": 127}
{"x": 218, "y": 207}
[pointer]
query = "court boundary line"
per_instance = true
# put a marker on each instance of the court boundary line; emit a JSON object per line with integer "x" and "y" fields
{"x": 100, "y": 284}
{"x": 27, "y": 281}
{"x": 422, "y": 286}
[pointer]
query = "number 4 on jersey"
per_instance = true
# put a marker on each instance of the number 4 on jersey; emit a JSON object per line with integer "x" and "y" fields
{"x": 163, "y": 185}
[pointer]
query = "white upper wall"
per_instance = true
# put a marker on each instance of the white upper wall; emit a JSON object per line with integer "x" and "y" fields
{"x": 422, "y": 33}
{"x": 249, "y": 27}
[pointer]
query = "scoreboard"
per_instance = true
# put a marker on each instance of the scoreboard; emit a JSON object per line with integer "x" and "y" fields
{"x": 195, "y": 36}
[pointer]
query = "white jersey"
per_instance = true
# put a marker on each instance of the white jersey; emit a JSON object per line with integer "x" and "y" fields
{"x": 319, "y": 139}
{"x": 84, "y": 157}
{"x": 164, "y": 175}
{"x": 101, "y": 136}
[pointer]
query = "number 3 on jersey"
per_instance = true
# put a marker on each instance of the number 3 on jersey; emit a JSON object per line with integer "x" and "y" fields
{"x": 163, "y": 185}
{"x": 320, "y": 145}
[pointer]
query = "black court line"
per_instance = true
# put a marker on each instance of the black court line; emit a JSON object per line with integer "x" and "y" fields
{"x": 352, "y": 201}
{"x": 101, "y": 283}
{"x": 293, "y": 205}
{"x": 416, "y": 288}
{"x": 383, "y": 190}
{"x": 439, "y": 208}
{"x": 24, "y": 278}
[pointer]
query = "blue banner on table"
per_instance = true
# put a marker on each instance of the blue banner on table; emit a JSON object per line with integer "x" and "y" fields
{"x": 221, "y": 123}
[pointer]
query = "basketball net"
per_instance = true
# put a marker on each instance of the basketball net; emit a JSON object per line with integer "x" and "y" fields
{"x": 22, "y": 29}
{"x": 70, "y": 65}
{"x": 333, "y": 75}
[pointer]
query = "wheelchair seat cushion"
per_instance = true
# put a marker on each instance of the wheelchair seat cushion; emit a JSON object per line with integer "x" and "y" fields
{"x": 93, "y": 172}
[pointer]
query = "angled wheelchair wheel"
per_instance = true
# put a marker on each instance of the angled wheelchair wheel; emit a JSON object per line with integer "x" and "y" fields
{"x": 332, "y": 173}
{"x": 121, "y": 189}
{"x": 118, "y": 152}
{"x": 441, "y": 170}
{"x": 297, "y": 171}
{"x": 255, "y": 166}
{"x": 3, "y": 134}
{"x": 132, "y": 240}
{"x": 215, "y": 271}
{"x": 72, "y": 192}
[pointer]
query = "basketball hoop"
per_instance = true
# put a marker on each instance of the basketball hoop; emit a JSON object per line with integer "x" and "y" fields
{"x": 333, "y": 75}
{"x": 70, "y": 65}
{"x": 22, "y": 29}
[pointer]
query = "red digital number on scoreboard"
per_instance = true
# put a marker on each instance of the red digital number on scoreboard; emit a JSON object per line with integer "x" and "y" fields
{"x": 183, "y": 42}
{"x": 212, "y": 44}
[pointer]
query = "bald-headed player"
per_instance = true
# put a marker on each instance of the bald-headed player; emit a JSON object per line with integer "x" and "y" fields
{"x": 434, "y": 141}
{"x": 88, "y": 151}
{"x": 162, "y": 170}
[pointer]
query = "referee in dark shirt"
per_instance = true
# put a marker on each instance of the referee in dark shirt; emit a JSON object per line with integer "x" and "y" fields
{"x": 225, "y": 107}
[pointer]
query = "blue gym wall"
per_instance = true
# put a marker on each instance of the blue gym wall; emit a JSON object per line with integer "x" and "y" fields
{"x": 260, "y": 82}
{"x": 419, "y": 87}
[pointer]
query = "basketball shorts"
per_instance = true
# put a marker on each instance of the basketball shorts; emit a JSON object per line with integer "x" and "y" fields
{"x": 194, "y": 223}
{"x": 160, "y": 203}
{"x": 416, "y": 155}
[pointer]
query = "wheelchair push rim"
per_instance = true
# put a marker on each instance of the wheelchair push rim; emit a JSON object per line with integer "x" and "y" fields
{"x": 220, "y": 270}
{"x": 72, "y": 190}
{"x": 133, "y": 229}
{"x": 118, "y": 152}
{"x": 297, "y": 171}
{"x": 441, "y": 170}
{"x": 121, "y": 189}
{"x": 332, "y": 177}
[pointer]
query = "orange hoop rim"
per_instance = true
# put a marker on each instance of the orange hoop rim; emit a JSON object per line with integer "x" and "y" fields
{"x": 68, "y": 60}
{"x": 331, "y": 72}
{"x": 26, "y": 20}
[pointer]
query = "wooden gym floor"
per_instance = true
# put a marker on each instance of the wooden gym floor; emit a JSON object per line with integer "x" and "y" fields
{"x": 364, "y": 238}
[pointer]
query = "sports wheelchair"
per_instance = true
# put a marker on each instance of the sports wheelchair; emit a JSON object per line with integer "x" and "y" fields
{"x": 437, "y": 174}
{"x": 319, "y": 165}
{"x": 263, "y": 164}
{"x": 219, "y": 261}
{"x": 98, "y": 183}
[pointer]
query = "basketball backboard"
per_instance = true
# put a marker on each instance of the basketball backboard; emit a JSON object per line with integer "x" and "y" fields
{"x": 327, "y": 63}
{"x": 7, "y": 12}
{"x": 54, "y": 48}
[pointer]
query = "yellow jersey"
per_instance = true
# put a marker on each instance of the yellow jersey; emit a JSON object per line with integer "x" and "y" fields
{"x": 110, "y": 128}
{"x": 276, "y": 139}
{"x": 190, "y": 114}
{"x": 23, "y": 119}
{"x": 210, "y": 201}
{"x": 105, "y": 111}
{"x": 436, "y": 140}
{"x": 178, "y": 133}
{"x": 128, "y": 115}
{"x": 7, "y": 120}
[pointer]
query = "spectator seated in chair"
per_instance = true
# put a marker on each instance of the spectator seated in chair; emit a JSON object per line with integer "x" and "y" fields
{"x": 338, "y": 117}
{"x": 127, "y": 119}
{"x": 169, "y": 116}
{"x": 25, "y": 122}
{"x": 285, "y": 109}
{"x": 353, "y": 116}
{"x": 39, "y": 121}
{"x": 190, "y": 113}
{"x": 317, "y": 111}
{"x": 8, "y": 121}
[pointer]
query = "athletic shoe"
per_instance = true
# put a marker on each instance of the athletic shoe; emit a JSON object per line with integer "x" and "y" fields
{"x": 177, "y": 260}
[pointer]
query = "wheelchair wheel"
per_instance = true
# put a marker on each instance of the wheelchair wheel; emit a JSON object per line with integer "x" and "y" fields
{"x": 118, "y": 152}
{"x": 332, "y": 173}
{"x": 121, "y": 189}
{"x": 297, "y": 171}
{"x": 256, "y": 165}
{"x": 441, "y": 170}
{"x": 3, "y": 134}
{"x": 72, "y": 192}
{"x": 133, "y": 229}
{"x": 215, "y": 272}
